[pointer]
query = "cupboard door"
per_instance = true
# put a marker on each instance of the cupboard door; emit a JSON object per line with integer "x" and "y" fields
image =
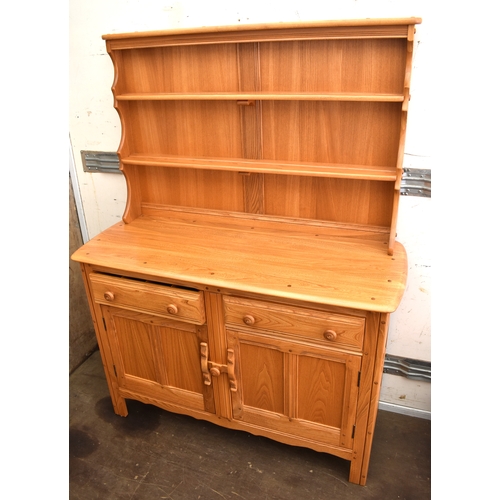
{"x": 292, "y": 388}
{"x": 158, "y": 358}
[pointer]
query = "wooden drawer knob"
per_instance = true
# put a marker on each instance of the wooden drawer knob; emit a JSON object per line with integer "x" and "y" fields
{"x": 172, "y": 309}
{"x": 330, "y": 335}
{"x": 109, "y": 296}
{"x": 248, "y": 319}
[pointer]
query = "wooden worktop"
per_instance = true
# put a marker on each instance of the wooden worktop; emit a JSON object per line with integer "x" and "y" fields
{"x": 284, "y": 264}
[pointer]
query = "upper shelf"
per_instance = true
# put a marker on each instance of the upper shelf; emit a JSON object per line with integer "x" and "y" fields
{"x": 261, "y": 96}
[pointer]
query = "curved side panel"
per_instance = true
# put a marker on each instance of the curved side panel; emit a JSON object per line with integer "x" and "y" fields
{"x": 133, "y": 206}
{"x": 114, "y": 56}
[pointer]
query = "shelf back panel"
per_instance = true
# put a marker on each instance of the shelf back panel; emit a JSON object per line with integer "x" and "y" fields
{"x": 310, "y": 198}
{"x": 185, "y": 128}
{"x": 337, "y": 200}
{"x": 331, "y": 132}
{"x": 297, "y": 131}
{"x": 209, "y": 189}
{"x": 203, "y": 68}
{"x": 364, "y": 66}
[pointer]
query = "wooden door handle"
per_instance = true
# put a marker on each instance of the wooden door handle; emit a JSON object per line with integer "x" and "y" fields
{"x": 233, "y": 386}
{"x": 207, "y": 377}
{"x": 109, "y": 296}
{"x": 211, "y": 369}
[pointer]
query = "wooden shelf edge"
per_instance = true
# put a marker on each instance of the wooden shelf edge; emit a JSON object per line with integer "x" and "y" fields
{"x": 378, "y": 28}
{"x": 269, "y": 26}
{"x": 359, "y": 172}
{"x": 260, "y": 96}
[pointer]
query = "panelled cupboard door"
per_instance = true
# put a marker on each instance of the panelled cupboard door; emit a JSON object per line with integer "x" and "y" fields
{"x": 296, "y": 389}
{"x": 158, "y": 358}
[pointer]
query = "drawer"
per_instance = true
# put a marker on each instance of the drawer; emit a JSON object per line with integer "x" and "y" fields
{"x": 160, "y": 300}
{"x": 329, "y": 329}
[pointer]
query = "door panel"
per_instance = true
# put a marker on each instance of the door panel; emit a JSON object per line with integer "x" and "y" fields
{"x": 135, "y": 343}
{"x": 263, "y": 377}
{"x": 181, "y": 352}
{"x": 320, "y": 390}
{"x": 295, "y": 388}
{"x": 158, "y": 358}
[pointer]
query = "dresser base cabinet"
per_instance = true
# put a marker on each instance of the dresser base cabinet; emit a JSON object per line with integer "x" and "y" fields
{"x": 300, "y": 375}
{"x": 252, "y": 277}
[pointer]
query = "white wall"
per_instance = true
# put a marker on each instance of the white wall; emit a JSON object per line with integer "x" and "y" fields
{"x": 94, "y": 125}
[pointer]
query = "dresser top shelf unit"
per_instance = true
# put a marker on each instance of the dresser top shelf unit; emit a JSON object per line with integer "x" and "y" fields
{"x": 299, "y": 120}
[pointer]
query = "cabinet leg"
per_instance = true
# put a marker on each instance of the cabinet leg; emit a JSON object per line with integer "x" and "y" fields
{"x": 355, "y": 474}
{"x": 119, "y": 405}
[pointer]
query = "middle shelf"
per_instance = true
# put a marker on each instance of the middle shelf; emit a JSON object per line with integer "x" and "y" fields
{"x": 341, "y": 171}
{"x": 351, "y": 140}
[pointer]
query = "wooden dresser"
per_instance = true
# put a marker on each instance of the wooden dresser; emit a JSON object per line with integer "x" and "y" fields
{"x": 251, "y": 280}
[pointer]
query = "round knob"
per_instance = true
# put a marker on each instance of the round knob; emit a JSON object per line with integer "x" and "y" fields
{"x": 214, "y": 371}
{"x": 248, "y": 320}
{"x": 109, "y": 296}
{"x": 172, "y": 309}
{"x": 330, "y": 335}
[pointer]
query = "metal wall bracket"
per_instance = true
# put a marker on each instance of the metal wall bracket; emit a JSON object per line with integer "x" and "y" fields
{"x": 98, "y": 161}
{"x": 409, "y": 368}
{"x": 416, "y": 182}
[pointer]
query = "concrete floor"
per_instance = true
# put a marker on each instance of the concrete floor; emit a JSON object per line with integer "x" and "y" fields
{"x": 153, "y": 454}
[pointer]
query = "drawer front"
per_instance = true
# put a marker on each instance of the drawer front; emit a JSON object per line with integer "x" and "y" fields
{"x": 327, "y": 328}
{"x": 161, "y": 300}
